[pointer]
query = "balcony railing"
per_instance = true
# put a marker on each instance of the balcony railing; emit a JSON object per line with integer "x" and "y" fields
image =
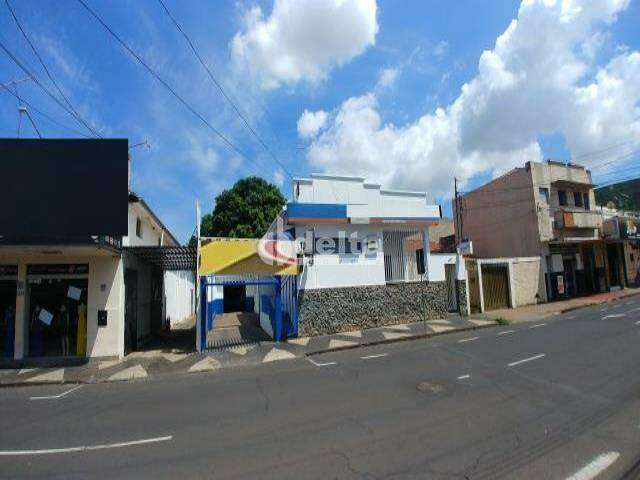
{"x": 578, "y": 219}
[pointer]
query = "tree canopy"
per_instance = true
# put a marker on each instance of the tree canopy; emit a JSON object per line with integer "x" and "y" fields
{"x": 244, "y": 211}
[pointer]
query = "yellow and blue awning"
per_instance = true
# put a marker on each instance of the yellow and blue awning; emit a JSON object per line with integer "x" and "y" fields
{"x": 240, "y": 256}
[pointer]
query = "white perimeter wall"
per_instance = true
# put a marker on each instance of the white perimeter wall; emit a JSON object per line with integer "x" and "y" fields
{"x": 179, "y": 294}
{"x": 257, "y": 292}
{"x": 333, "y": 270}
{"x": 437, "y": 262}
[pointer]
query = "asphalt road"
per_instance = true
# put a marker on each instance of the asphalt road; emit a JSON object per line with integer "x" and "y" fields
{"x": 558, "y": 399}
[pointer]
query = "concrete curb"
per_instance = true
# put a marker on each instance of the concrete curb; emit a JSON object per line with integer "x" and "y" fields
{"x": 592, "y": 304}
{"x": 396, "y": 340}
{"x": 568, "y": 309}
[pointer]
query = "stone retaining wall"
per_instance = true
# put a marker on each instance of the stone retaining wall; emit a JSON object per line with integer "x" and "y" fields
{"x": 461, "y": 285}
{"x": 332, "y": 310}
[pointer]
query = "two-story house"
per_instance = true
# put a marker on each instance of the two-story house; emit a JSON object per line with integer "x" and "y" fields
{"x": 544, "y": 209}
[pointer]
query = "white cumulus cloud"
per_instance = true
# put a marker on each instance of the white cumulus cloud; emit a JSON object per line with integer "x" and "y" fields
{"x": 539, "y": 78}
{"x": 310, "y": 123}
{"x": 303, "y": 39}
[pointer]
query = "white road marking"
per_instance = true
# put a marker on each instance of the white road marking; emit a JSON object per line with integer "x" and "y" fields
{"x": 535, "y": 357}
{"x": 638, "y": 322}
{"x": 571, "y": 317}
{"x": 538, "y": 325}
{"x": 615, "y": 315}
{"x": 464, "y": 377}
{"x": 51, "y": 397}
{"x": 596, "y": 467}
{"x": 470, "y": 339}
{"x": 317, "y": 364}
{"x": 84, "y": 448}
{"x": 505, "y": 332}
{"x": 207, "y": 364}
{"x": 633, "y": 310}
{"x": 276, "y": 354}
{"x": 368, "y": 357}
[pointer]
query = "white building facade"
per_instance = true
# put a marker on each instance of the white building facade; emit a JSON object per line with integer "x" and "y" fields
{"x": 93, "y": 298}
{"x": 366, "y": 259}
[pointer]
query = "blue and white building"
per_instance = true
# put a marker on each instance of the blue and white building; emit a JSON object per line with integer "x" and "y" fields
{"x": 366, "y": 259}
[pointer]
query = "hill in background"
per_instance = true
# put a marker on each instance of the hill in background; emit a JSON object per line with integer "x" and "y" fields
{"x": 624, "y": 195}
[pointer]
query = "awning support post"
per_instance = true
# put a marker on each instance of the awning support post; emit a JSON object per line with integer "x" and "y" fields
{"x": 278, "y": 309}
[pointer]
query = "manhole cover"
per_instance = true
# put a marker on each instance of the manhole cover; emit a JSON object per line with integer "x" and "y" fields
{"x": 431, "y": 387}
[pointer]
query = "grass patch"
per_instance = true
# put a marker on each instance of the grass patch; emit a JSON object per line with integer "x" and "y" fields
{"x": 502, "y": 321}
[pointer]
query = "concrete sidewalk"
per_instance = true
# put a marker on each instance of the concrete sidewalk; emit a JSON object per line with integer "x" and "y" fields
{"x": 545, "y": 310}
{"x": 155, "y": 363}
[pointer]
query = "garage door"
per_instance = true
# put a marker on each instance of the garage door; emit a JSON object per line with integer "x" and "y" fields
{"x": 495, "y": 286}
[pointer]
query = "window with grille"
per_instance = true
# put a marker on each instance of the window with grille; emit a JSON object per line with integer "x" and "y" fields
{"x": 401, "y": 249}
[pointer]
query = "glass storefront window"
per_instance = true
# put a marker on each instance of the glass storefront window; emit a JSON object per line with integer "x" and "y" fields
{"x": 57, "y": 316}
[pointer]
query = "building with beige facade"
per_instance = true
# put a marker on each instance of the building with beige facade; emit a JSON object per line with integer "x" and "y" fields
{"x": 546, "y": 210}
{"x": 97, "y": 297}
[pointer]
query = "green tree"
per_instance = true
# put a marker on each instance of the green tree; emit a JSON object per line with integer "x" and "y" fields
{"x": 244, "y": 211}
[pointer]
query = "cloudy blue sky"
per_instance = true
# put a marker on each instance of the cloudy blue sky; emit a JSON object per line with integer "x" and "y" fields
{"x": 407, "y": 93}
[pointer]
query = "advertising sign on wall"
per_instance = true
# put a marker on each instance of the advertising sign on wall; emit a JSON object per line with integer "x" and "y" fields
{"x": 60, "y": 188}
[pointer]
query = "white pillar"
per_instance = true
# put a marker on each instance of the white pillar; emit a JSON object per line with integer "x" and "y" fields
{"x": 426, "y": 250}
{"x": 480, "y": 289}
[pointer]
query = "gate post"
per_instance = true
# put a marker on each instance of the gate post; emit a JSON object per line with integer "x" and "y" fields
{"x": 278, "y": 310}
{"x": 202, "y": 331}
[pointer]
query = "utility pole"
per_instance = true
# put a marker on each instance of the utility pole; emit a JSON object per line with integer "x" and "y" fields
{"x": 458, "y": 206}
{"x": 455, "y": 200}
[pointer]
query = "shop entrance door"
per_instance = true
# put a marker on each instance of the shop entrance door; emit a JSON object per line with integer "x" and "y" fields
{"x": 590, "y": 271}
{"x": 130, "y": 310}
{"x": 7, "y": 317}
{"x": 614, "y": 264}
{"x": 569, "y": 277}
{"x": 57, "y": 308}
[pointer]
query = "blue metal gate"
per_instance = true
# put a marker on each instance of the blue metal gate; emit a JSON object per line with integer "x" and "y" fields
{"x": 278, "y": 297}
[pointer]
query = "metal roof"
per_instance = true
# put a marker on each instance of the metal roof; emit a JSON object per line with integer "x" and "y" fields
{"x": 166, "y": 258}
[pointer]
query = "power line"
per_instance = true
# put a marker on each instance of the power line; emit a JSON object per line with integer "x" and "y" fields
{"x": 481, "y": 190}
{"x": 619, "y": 180}
{"x": 33, "y": 124}
{"x": 44, "y": 66}
{"x": 605, "y": 149}
{"x": 43, "y": 114}
{"x": 166, "y": 85}
{"x": 14, "y": 82}
{"x": 35, "y": 79}
{"x": 618, "y": 171}
{"x": 222, "y": 91}
{"x": 618, "y": 159}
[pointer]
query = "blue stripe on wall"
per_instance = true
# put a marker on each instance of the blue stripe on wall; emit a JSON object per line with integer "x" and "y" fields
{"x": 316, "y": 210}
